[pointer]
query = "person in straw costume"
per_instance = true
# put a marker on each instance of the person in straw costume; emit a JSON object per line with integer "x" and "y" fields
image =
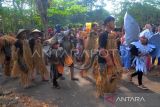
{"x": 35, "y": 42}
{"x": 109, "y": 60}
{"x": 6, "y": 43}
{"x": 90, "y": 47}
{"x": 22, "y": 56}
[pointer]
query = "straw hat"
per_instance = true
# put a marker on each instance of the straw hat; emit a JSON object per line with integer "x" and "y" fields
{"x": 20, "y": 31}
{"x": 36, "y": 31}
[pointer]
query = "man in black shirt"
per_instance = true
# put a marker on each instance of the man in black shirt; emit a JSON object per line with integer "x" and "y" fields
{"x": 109, "y": 26}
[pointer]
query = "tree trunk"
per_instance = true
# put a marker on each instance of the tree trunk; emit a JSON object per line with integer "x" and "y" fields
{"x": 42, "y": 8}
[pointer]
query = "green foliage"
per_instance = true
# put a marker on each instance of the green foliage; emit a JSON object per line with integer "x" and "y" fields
{"x": 97, "y": 15}
{"x": 142, "y": 12}
{"x": 65, "y": 7}
{"x": 26, "y": 14}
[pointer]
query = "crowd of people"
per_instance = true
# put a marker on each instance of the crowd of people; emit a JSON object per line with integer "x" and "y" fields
{"x": 22, "y": 56}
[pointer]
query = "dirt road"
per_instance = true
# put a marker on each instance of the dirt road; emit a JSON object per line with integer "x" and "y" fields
{"x": 72, "y": 93}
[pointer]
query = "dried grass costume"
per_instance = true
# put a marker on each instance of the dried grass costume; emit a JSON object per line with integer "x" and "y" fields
{"x": 90, "y": 47}
{"x": 6, "y": 43}
{"x": 38, "y": 56}
{"x": 108, "y": 77}
{"x": 21, "y": 54}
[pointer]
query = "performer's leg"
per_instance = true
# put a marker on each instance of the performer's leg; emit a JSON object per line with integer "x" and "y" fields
{"x": 95, "y": 69}
{"x": 7, "y": 68}
{"x": 43, "y": 71}
{"x": 132, "y": 75}
{"x": 33, "y": 74}
{"x": 55, "y": 83}
{"x": 101, "y": 79}
{"x": 25, "y": 80}
{"x": 102, "y": 68}
{"x": 56, "y": 75}
{"x": 140, "y": 74}
{"x": 87, "y": 60}
{"x": 72, "y": 73}
{"x": 15, "y": 72}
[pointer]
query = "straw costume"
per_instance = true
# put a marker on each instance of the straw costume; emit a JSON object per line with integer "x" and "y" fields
{"x": 6, "y": 43}
{"x": 21, "y": 55}
{"x": 109, "y": 60}
{"x": 37, "y": 55}
{"x": 90, "y": 47}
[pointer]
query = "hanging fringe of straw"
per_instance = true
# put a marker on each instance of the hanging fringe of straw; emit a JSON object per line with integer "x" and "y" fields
{"x": 107, "y": 81}
{"x": 91, "y": 42}
{"x": 117, "y": 61}
{"x": 2, "y": 57}
{"x": 111, "y": 42}
{"x": 15, "y": 70}
{"x": 9, "y": 39}
{"x": 105, "y": 84}
{"x": 38, "y": 61}
{"x": 25, "y": 79}
{"x": 95, "y": 69}
{"x": 7, "y": 68}
{"x": 27, "y": 55}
